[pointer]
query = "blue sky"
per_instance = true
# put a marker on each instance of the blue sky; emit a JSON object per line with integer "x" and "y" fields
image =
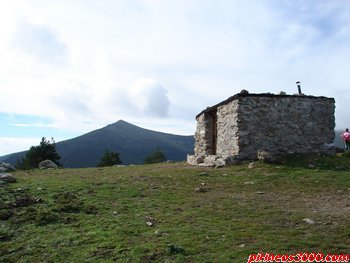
{"x": 69, "y": 67}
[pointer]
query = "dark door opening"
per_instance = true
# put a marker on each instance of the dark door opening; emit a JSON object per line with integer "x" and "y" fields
{"x": 214, "y": 132}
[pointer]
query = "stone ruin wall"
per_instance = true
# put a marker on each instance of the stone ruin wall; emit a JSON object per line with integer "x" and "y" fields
{"x": 228, "y": 133}
{"x": 284, "y": 125}
{"x": 203, "y": 136}
{"x": 277, "y": 125}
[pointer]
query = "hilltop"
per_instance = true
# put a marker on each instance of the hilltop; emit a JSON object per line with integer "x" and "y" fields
{"x": 132, "y": 142}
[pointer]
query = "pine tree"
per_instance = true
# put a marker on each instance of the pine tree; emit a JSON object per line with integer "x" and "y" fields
{"x": 156, "y": 156}
{"x": 109, "y": 159}
{"x": 46, "y": 150}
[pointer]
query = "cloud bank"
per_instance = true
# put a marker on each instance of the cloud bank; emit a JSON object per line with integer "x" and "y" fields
{"x": 83, "y": 64}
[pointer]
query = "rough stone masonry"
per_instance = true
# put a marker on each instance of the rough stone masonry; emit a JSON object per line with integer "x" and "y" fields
{"x": 263, "y": 126}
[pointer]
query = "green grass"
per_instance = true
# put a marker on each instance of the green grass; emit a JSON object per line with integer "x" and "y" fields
{"x": 155, "y": 213}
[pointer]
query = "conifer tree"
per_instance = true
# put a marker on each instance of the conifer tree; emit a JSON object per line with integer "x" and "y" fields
{"x": 109, "y": 159}
{"x": 46, "y": 150}
{"x": 156, "y": 156}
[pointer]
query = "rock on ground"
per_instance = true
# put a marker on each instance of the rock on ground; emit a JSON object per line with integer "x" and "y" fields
{"x": 47, "y": 164}
{"x": 7, "y": 178}
{"x": 5, "y": 167}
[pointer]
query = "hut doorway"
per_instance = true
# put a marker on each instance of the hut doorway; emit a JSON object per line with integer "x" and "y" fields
{"x": 214, "y": 132}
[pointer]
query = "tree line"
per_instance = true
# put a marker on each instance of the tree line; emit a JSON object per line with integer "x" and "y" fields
{"x": 46, "y": 150}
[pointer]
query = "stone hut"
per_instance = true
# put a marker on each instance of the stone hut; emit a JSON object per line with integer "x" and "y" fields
{"x": 263, "y": 126}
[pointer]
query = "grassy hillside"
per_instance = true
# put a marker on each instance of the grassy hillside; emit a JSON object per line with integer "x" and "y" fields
{"x": 175, "y": 212}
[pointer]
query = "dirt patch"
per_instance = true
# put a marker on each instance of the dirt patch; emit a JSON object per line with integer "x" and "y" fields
{"x": 322, "y": 204}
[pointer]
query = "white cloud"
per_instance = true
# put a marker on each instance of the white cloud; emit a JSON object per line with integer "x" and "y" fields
{"x": 149, "y": 97}
{"x": 41, "y": 42}
{"x": 9, "y": 145}
{"x": 31, "y": 125}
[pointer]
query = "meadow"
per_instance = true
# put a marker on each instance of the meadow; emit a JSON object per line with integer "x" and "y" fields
{"x": 173, "y": 212}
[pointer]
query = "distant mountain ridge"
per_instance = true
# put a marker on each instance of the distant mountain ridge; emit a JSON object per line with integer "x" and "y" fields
{"x": 132, "y": 142}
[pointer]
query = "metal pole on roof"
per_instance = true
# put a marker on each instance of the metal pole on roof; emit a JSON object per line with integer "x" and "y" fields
{"x": 299, "y": 87}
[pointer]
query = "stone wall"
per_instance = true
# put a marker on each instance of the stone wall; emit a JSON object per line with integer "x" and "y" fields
{"x": 248, "y": 125}
{"x": 203, "y": 135}
{"x": 283, "y": 125}
{"x": 228, "y": 132}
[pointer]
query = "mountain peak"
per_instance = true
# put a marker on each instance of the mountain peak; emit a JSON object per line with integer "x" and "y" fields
{"x": 121, "y": 121}
{"x": 121, "y": 124}
{"x": 130, "y": 141}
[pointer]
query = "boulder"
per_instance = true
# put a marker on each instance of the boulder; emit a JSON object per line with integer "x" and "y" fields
{"x": 220, "y": 162}
{"x": 191, "y": 159}
{"x": 6, "y": 167}
{"x": 309, "y": 221}
{"x": 210, "y": 160}
{"x": 252, "y": 165}
{"x": 7, "y": 178}
{"x": 47, "y": 164}
{"x": 195, "y": 159}
{"x": 265, "y": 156}
{"x": 207, "y": 161}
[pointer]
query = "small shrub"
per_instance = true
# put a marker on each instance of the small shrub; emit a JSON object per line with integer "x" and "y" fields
{"x": 69, "y": 220}
{"x": 90, "y": 210}
{"x": 156, "y": 156}
{"x": 70, "y": 208}
{"x": 172, "y": 249}
{"x": 24, "y": 201}
{"x": 68, "y": 203}
{"x": 66, "y": 198}
{"x": 45, "y": 218}
{"x": 5, "y": 234}
{"x": 26, "y": 215}
{"x": 5, "y": 214}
